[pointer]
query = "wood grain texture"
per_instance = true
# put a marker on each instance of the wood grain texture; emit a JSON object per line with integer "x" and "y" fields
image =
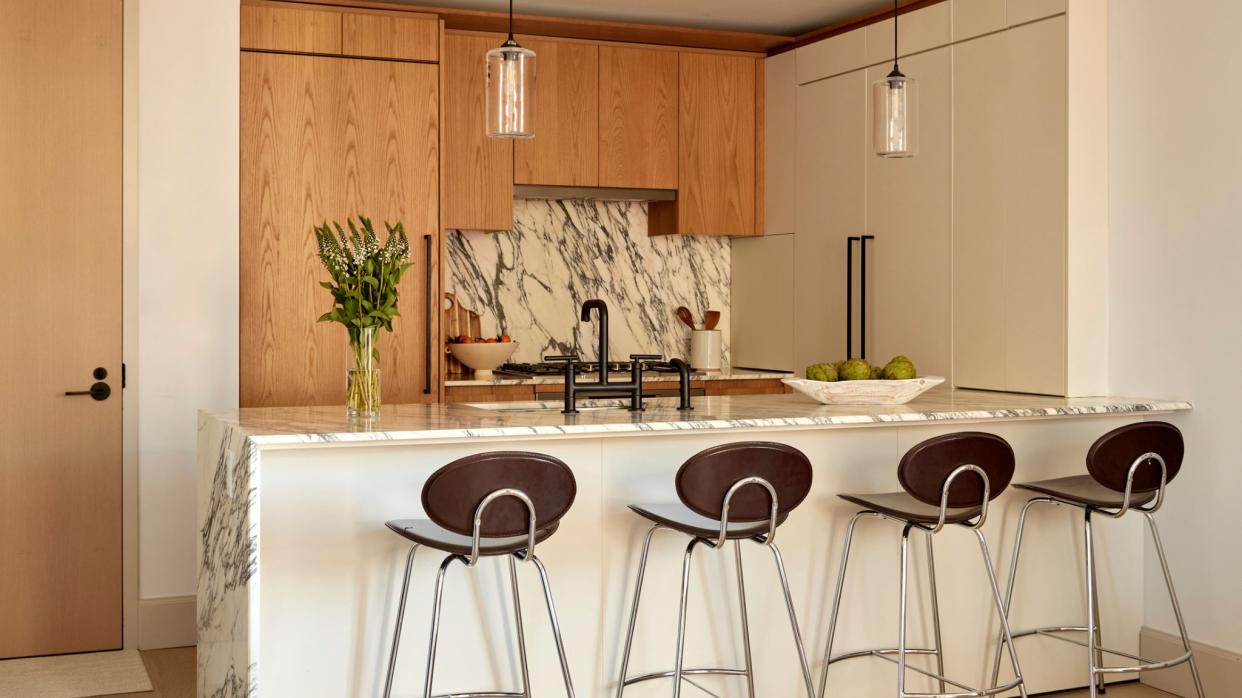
{"x": 716, "y": 151}
{"x": 274, "y": 26}
{"x": 488, "y": 393}
{"x": 60, "y": 198}
{"x": 478, "y": 171}
{"x": 747, "y": 387}
{"x": 759, "y": 227}
{"x": 457, "y": 320}
{"x": 637, "y": 118}
{"x": 565, "y": 149}
{"x": 325, "y": 139}
{"x": 390, "y": 35}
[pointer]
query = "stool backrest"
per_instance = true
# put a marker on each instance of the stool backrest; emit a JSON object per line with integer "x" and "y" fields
{"x": 924, "y": 468}
{"x": 704, "y": 480}
{"x": 453, "y": 493}
{"x": 1112, "y": 455}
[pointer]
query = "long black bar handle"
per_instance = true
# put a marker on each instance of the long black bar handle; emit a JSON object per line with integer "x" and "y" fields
{"x": 849, "y": 295}
{"x": 427, "y": 239}
{"x": 862, "y": 297}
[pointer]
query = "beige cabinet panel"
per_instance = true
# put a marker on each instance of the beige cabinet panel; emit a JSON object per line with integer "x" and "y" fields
{"x": 973, "y": 18}
{"x": 1022, "y": 11}
{"x": 831, "y": 159}
{"x": 780, "y": 143}
{"x": 763, "y": 302}
{"x": 909, "y": 304}
{"x": 920, "y": 30}
{"x": 832, "y": 56}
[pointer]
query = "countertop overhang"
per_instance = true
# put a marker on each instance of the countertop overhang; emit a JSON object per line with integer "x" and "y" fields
{"x": 302, "y": 426}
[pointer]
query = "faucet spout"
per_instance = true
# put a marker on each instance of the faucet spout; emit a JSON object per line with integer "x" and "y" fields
{"x": 601, "y": 308}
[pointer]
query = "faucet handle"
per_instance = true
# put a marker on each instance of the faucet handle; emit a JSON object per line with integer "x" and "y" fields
{"x": 646, "y": 357}
{"x": 567, "y": 358}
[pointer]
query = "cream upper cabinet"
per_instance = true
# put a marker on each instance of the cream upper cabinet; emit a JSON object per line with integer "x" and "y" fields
{"x": 762, "y": 290}
{"x": 920, "y": 30}
{"x": 1023, "y": 11}
{"x": 1009, "y": 203}
{"x": 909, "y": 305}
{"x": 971, "y": 18}
{"x": 780, "y": 143}
{"x": 833, "y": 56}
{"x": 831, "y": 194}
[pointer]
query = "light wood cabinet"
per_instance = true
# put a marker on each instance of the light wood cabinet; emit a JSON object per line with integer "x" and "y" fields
{"x": 909, "y": 302}
{"x": 326, "y": 139}
{"x": 717, "y": 165}
{"x": 400, "y": 35}
{"x": 275, "y": 26}
{"x": 637, "y": 117}
{"x": 478, "y": 171}
{"x": 1009, "y": 198}
{"x": 565, "y": 149}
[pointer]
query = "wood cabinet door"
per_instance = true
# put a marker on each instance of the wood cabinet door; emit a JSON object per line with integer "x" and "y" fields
{"x": 831, "y": 162}
{"x": 326, "y": 139}
{"x": 565, "y": 149}
{"x": 909, "y": 300}
{"x": 716, "y": 152}
{"x": 478, "y": 171}
{"x": 637, "y": 118}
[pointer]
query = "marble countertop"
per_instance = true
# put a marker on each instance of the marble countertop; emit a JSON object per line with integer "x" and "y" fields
{"x": 735, "y": 374}
{"x": 293, "y": 426}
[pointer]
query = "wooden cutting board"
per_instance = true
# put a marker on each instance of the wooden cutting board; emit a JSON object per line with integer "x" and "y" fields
{"x": 458, "y": 320}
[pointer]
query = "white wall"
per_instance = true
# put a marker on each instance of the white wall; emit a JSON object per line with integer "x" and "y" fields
{"x": 1176, "y": 286}
{"x": 187, "y": 215}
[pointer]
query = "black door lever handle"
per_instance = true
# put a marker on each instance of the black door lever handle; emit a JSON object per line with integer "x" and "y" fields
{"x": 99, "y": 391}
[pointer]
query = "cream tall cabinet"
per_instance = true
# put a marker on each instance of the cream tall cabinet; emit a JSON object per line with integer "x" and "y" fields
{"x": 989, "y": 263}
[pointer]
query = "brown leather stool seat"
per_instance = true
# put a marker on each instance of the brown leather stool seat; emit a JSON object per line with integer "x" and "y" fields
{"x": 679, "y": 517}
{"x": 1086, "y": 491}
{"x": 900, "y": 505}
{"x": 426, "y": 532}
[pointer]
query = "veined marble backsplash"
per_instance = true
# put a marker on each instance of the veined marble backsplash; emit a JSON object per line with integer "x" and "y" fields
{"x": 531, "y": 282}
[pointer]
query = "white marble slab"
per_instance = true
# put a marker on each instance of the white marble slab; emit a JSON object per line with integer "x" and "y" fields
{"x": 531, "y": 282}
{"x": 732, "y": 374}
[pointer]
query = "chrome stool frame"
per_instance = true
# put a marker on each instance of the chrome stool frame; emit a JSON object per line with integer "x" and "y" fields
{"x": 902, "y": 651}
{"x": 1095, "y": 655}
{"x": 680, "y": 673}
{"x": 526, "y": 554}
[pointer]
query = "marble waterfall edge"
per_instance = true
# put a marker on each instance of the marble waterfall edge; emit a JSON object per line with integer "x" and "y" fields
{"x": 531, "y": 282}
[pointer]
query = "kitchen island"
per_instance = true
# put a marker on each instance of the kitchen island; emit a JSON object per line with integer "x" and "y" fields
{"x": 299, "y": 579}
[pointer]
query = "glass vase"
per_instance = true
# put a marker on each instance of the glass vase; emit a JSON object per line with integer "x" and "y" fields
{"x": 362, "y": 384}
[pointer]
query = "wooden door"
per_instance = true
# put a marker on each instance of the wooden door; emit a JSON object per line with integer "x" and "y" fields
{"x": 637, "y": 117}
{"x": 909, "y": 301}
{"x": 325, "y": 139}
{"x": 831, "y": 162}
{"x": 60, "y": 199}
{"x": 565, "y": 149}
{"x": 478, "y": 171}
{"x": 716, "y": 153}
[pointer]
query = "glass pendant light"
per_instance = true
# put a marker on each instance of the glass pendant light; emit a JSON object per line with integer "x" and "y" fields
{"x": 511, "y": 89}
{"x": 895, "y": 110}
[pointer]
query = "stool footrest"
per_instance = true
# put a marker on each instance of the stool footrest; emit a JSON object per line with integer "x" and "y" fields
{"x": 481, "y": 694}
{"x": 685, "y": 672}
{"x": 888, "y": 655}
{"x": 1143, "y": 664}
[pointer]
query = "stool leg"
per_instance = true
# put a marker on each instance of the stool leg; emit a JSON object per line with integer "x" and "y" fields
{"x": 1092, "y": 611}
{"x": 1099, "y": 639}
{"x": 901, "y": 614}
{"x": 681, "y": 617}
{"x": 1013, "y": 574}
{"x": 638, "y": 590}
{"x": 836, "y": 600}
{"x": 1000, "y": 610}
{"x": 935, "y": 609}
{"x": 521, "y": 634}
{"x": 396, "y": 633}
{"x": 793, "y": 621}
{"x": 741, "y": 599}
{"x": 435, "y": 621}
{"x": 1177, "y": 609}
{"x": 556, "y": 626}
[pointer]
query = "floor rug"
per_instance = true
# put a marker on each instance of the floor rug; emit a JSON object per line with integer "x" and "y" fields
{"x": 74, "y": 675}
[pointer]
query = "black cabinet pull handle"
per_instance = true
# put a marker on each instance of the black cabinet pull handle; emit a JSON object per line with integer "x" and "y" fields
{"x": 849, "y": 296}
{"x": 427, "y": 319}
{"x": 99, "y": 392}
{"x": 862, "y": 296}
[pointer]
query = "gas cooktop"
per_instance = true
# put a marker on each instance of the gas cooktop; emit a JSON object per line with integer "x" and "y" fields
{"x": 558, "y": 369}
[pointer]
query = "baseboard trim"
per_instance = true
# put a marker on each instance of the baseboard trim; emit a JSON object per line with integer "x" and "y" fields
{"x": 169, "y": 621}
{"x": 1221, "y": 670}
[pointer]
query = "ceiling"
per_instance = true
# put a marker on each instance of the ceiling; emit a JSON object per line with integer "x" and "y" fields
{"x": 787, "y": 17}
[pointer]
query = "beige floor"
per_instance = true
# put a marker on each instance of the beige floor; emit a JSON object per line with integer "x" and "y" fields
{"x": 172, "y": 675}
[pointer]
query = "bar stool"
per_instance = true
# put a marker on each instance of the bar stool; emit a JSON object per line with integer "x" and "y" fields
{"x": 1128, "y": 469}
{"x": 947, "y": 480}
{"x": 524, "y": 496}
{"x": 734, "y": 492}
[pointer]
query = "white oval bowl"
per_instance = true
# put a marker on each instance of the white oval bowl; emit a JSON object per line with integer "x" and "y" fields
{"x": 482, "y": 357}
{"x": 877, "y": 392}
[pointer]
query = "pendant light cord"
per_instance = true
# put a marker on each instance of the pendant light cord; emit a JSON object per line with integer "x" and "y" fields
{"x": 510, "y": 20}
{"x": 896, "y": 70}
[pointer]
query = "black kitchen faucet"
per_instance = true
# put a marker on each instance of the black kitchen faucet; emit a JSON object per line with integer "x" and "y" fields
{"x": 634, "y": 386}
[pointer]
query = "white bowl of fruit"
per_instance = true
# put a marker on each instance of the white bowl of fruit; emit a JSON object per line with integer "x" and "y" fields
{"x": 856, "y": 382}
{"x": 482, "y": 354}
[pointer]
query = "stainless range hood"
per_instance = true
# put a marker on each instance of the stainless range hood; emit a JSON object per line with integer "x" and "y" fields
{"x": 540, "y": 191}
